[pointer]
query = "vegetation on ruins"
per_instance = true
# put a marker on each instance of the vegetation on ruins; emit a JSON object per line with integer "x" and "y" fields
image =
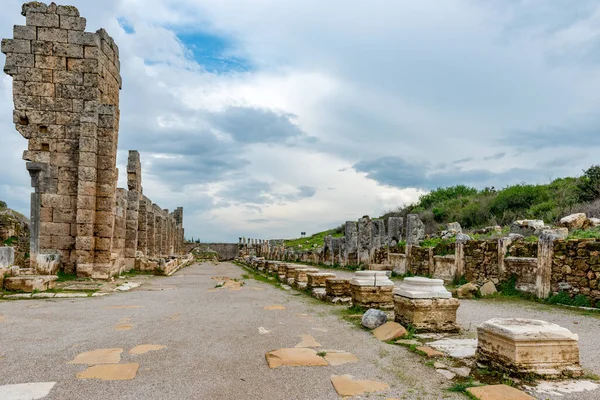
{"x": 316, "y": 239}
{"x": 474, "y": 208}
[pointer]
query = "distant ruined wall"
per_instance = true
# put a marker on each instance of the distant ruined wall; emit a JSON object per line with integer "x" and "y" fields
{"x": 66, "y": 85}
{"x": 226, "y": 251}
{"x": 576, "y": 268}
{"x": 542, "y": 268}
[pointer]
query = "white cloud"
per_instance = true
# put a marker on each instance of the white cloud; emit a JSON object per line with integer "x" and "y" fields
{"x": 430, "y": 85}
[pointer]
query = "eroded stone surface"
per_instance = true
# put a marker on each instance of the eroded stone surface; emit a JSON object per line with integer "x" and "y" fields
{"x": 560, "y": 388}
{"x": 123, "y": 327}
{"x": 308, "y": 341}
{"x": 389, "y": 331}
{"x": 446, "y": 374}
{"x": 427, "y": 315}
{"x": 339, "y": 357}
{"x": 26, "y": 391}
{"x": 498, "y": 392}
{"x": 145, "y": 348}
{"x": 528, "y": 346}
{"x": 100, "y": 356}
{"x": 457, "y": 348}
{"x": 110, "y": 372}
{"x": 429, "y": 352}
{"x": 295, "y": 357}
{"x": 345, "y": 385}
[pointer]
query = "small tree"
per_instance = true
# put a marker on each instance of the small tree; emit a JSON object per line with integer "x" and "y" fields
{"x": 589, "y": 184}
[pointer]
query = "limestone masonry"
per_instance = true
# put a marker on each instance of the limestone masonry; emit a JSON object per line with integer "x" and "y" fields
{"x": 66, "y": 85}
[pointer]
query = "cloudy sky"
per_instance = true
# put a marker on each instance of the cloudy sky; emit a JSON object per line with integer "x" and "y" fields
{"x": 265, "y": 118}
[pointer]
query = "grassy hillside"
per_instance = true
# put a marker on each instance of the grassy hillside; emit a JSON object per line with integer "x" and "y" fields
{"x": 474, "y": 208}
{"x": 316, "y": 239}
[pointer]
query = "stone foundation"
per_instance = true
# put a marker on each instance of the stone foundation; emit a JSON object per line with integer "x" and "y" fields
{"x": 379, "y": 297}
{"x": 427, "y": 315}
{"x": 525, "y": 346}
{"x": 338, "y": 290}
{"x": 30, "y": 283}
{"x": 318, "y": 279}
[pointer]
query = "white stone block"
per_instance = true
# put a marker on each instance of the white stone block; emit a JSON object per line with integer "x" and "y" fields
{"x": 371, "y": 278}
{"x": 423, "y": 288}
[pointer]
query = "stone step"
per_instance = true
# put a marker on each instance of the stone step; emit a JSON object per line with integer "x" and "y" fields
{"x": 30, "y": 283}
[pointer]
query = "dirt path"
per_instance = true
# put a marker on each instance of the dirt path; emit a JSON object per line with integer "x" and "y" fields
{"x": 215, "y": 341}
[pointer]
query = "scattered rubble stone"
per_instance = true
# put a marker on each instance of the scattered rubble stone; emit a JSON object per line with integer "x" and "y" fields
{"x": 498, "y": 392}
{"x": 389, "y": 331}
{"x": 345, "y": 385}
{"x": 295, "y": 357}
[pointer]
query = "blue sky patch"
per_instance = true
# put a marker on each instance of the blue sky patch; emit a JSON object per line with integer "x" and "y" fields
{"x": 126, "y": 25}
{"x": 213, "y": 52}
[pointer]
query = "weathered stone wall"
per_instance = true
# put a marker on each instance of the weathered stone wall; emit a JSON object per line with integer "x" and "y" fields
{"x": 576, "y": 268}
{"x": 521, "y": 248}
{"x": 420, "y": 260}
{"x": 481, "y": 260}
{"x": 226, "y": 251}
{"x": 66, "y": 85}
{"x": 524, "y": 269}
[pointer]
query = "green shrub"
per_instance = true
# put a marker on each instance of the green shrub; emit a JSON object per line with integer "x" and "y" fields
{"x": 509, "y": 286}
{"x": 561, "y": 297}
{"x": 581, "y": 301}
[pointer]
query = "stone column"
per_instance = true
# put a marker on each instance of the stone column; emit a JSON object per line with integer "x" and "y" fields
{"x": 351, "y": 246}
{"x": 543, "y": 279}
{"x": 365, "y": 234}
{"x": 415, "y": 230}
{"x": 151, "y": 229}
{"x": 134, "y": 184}
{"x": 379, "y": 238}
{"x": 142, "y": 234}
{"x": 119, "y": 232}
{"x": 394, "y": 230}
{"x": 158, "y": 228}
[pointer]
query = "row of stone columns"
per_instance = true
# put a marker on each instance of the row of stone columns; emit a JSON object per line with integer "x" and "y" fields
{"x": 150, "y": 230}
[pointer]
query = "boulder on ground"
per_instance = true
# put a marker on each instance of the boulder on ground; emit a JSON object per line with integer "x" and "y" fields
{"x": 487, "y": 289}
{"x": 488, "y": 229}
{"x": 461, "y": 237}
{"x": 574, "y": 221}
{"x": 554, "y": 234}
{"x": 373, "y": 318}
{"x": 528, "y": 227}
{"x": 467, "y": 291}
{"x": 452, "y": 229}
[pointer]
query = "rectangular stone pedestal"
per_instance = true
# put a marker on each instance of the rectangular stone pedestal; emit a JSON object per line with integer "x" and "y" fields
{"x": 379, "y": 297}
{"x": 318, "y": 279}
{"x": 427, "y": 315}
{"x": 338, "y": 291}
{"x": 30, "y": 283}
{"x": 525, "y": 346}
{"x": 282, "y": 272}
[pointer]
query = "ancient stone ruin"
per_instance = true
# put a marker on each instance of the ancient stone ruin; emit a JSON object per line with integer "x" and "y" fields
{"x": 527, "y": 346}
{"x": 66, "y": 85}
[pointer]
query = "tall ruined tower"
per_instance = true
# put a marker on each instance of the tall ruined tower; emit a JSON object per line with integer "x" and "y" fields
{"x": 66, "y": 86}
{"x": 66, "y": 97}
